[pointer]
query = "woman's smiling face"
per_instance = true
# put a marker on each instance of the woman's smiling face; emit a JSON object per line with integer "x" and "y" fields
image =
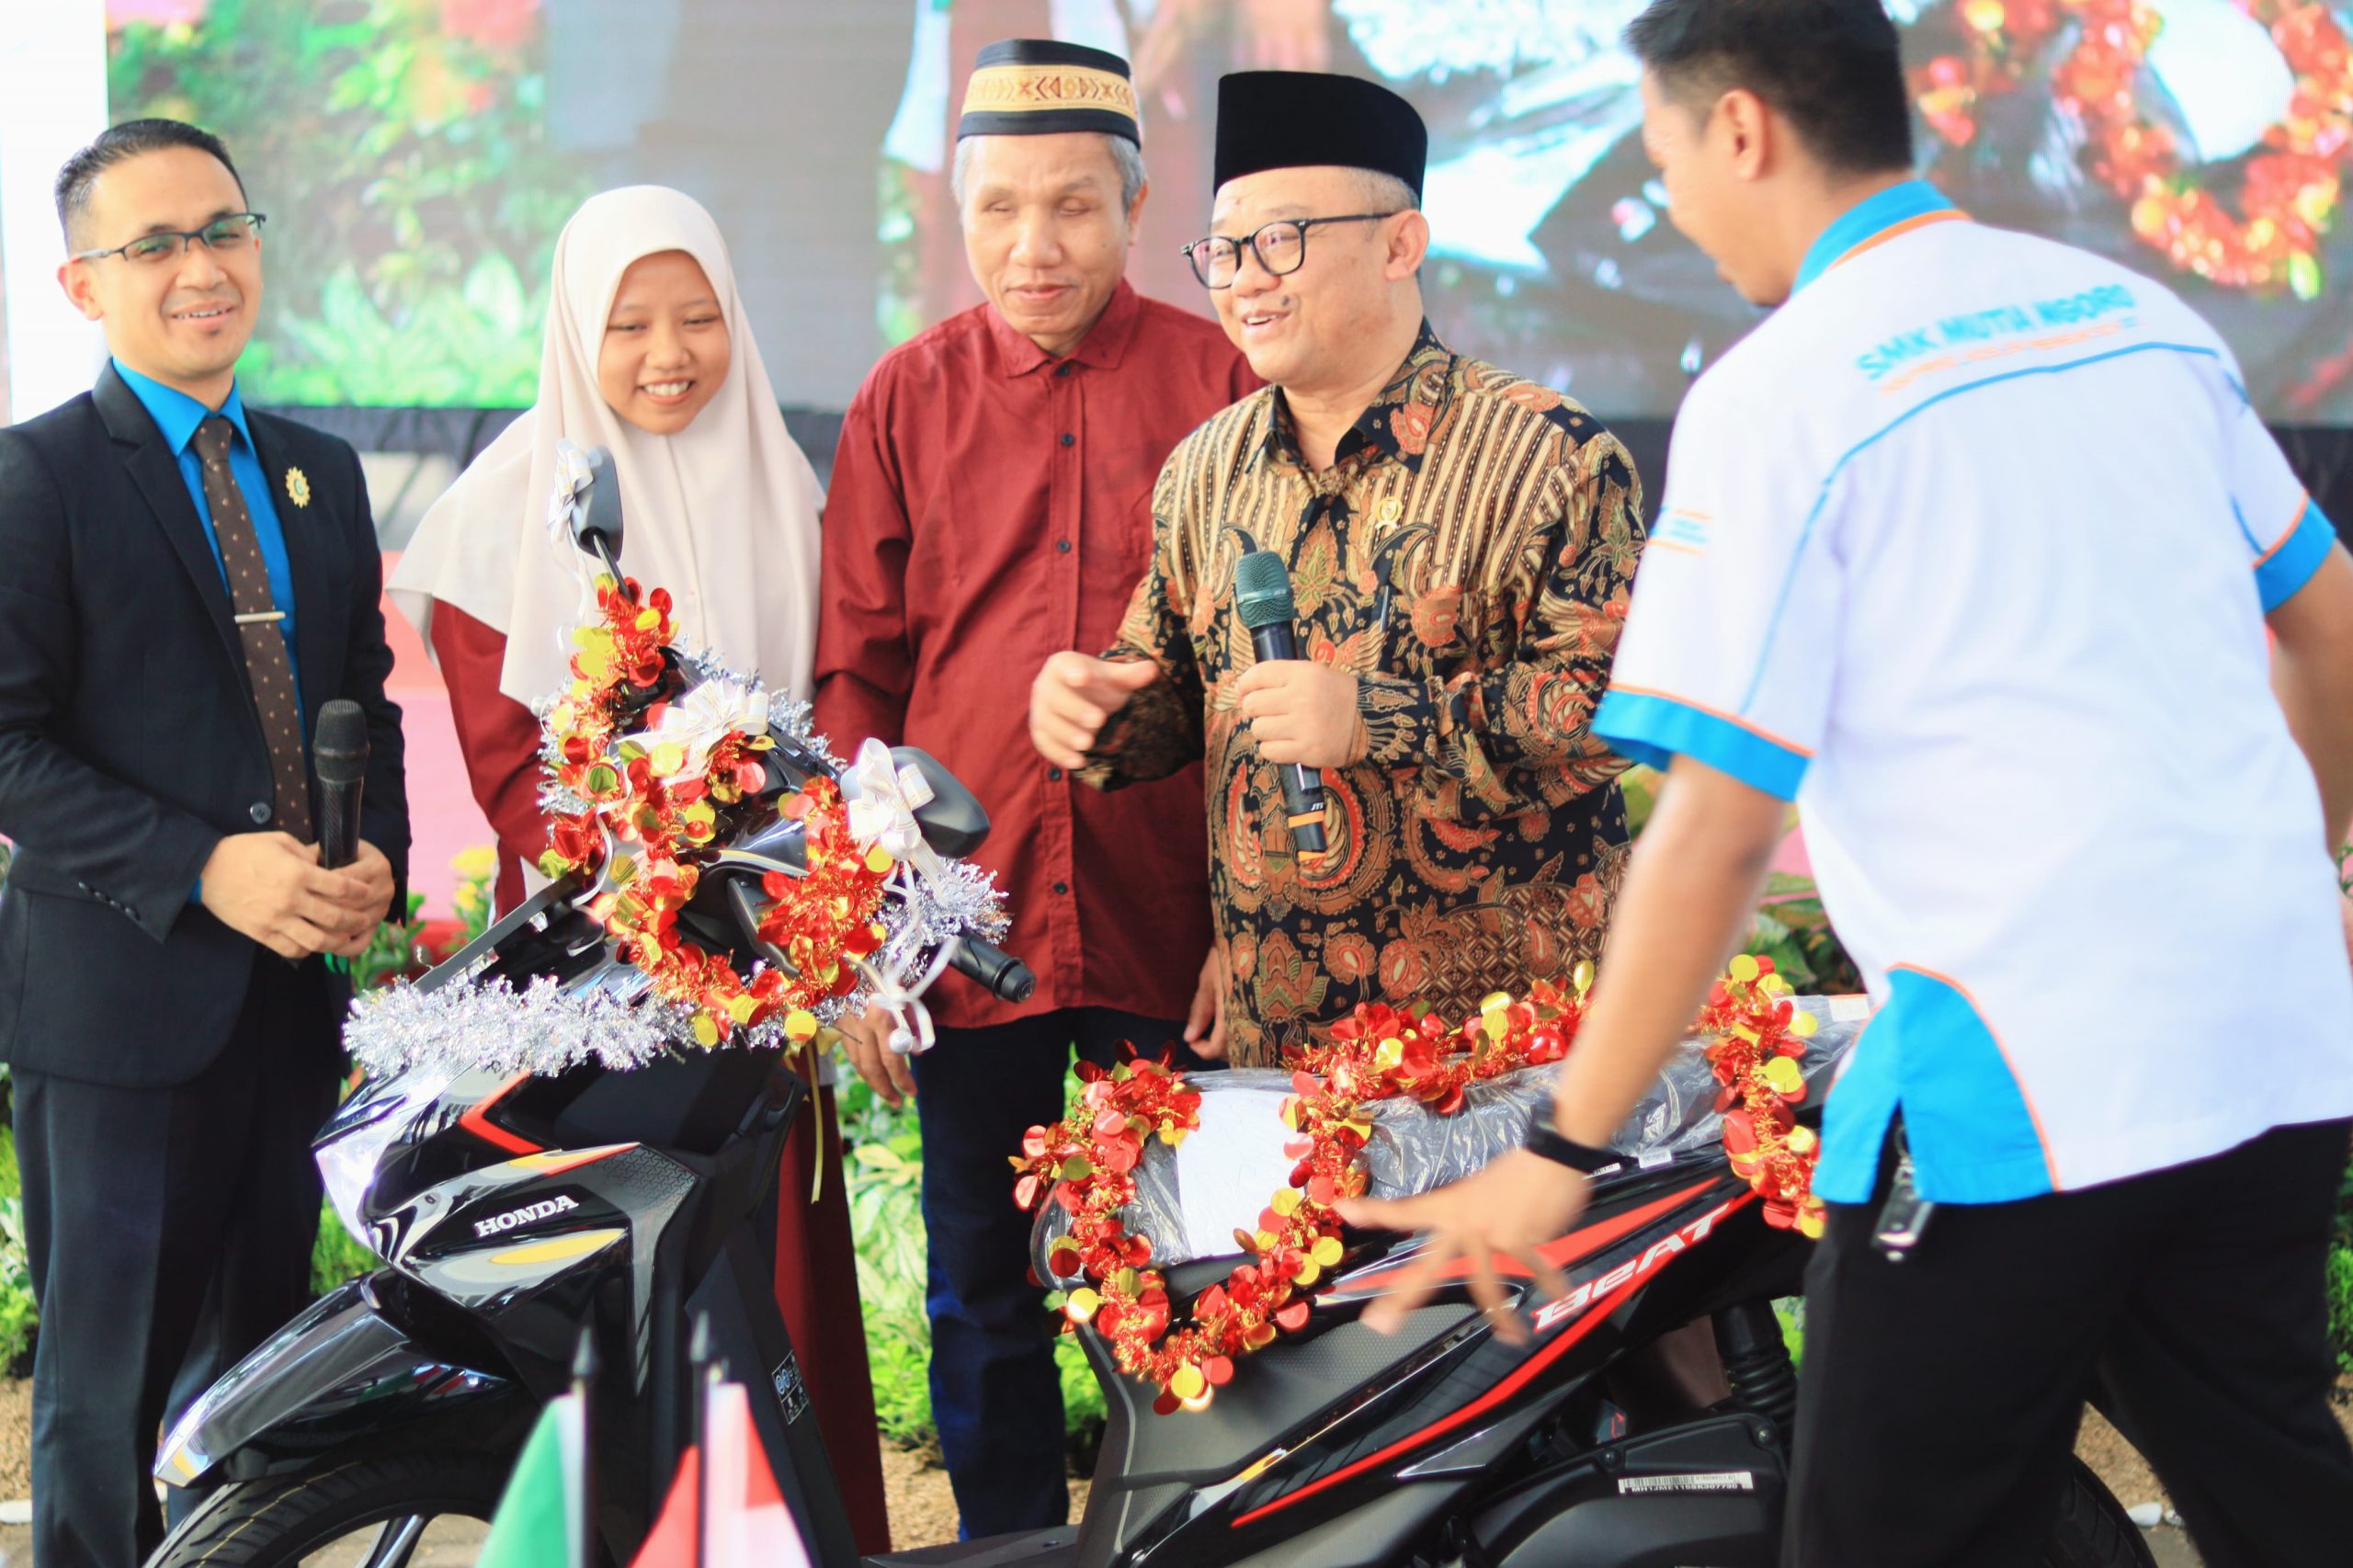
{"x": 665, "y": 351}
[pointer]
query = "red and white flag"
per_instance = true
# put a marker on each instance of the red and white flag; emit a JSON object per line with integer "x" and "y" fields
{"x": 750, "y": 1525}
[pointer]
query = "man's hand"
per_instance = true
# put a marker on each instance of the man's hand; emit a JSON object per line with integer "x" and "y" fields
{"x": 270, "y": 887}
{"x": 1304, "y": 712}
{"x": 1205, "y": 1023}
{"x": 1074, "y": 696}
{"x": 375, "y": 873}
{"x": 866, "y": 1040}
{"x": 1515, "y": 1204}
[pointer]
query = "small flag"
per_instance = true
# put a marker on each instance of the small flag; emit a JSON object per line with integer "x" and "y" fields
{"x": 747, "y": 1518}
{"x": 542, "y": 1517}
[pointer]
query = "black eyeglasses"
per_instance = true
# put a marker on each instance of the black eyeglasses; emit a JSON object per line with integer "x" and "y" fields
{"x": 1281, "y": 245}
{"x": 233, "y": 233}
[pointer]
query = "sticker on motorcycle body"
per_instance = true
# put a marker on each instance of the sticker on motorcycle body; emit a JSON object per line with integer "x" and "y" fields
{"x": 1553, "y": 1314}
{"x": 1717, "y": 1480}
{"x": 791, "y": 1394}
{"x": 514, "y": 1219}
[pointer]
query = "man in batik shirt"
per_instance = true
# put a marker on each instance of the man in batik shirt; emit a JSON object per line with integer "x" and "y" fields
{"x": 1461, "y": 543}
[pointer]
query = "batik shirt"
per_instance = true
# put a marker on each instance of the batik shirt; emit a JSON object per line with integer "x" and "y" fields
{"x": 1467, "y": 557}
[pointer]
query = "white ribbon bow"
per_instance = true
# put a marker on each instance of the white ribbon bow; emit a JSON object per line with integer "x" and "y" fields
{"x": 564, "y": 507}
{"x": 705, "y": 715}
{"x": 883, "y": 800}
{"x": 572, "y": 476}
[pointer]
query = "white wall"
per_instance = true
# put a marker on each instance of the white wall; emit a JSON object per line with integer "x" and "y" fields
{"x": 52, "y": 101}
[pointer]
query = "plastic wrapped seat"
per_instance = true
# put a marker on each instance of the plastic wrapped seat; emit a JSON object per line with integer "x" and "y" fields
{"x": 1190, "y": 1199}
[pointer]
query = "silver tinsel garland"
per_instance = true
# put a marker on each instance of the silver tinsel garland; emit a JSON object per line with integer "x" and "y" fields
{"x": 485, "y": 1023}
{"x": 614, "y": 1019}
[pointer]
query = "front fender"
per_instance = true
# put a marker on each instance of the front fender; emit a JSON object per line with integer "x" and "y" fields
{"x": 347, "y": 1370}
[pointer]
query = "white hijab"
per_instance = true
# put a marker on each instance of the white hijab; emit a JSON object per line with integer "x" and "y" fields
{"x": 723, "y": 513}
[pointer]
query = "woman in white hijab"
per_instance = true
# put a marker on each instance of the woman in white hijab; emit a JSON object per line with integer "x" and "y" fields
{"x": 648, "y": 355}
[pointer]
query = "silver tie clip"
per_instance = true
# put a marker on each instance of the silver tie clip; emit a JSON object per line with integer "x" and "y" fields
{"x": 256, "y": 616}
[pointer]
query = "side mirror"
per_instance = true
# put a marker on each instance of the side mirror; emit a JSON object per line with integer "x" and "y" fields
{"x": 953, "y": 821}
{"x": 597, "y": 526}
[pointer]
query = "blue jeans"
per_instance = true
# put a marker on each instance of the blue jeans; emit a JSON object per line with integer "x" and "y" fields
{"x": 995, "y": 1394}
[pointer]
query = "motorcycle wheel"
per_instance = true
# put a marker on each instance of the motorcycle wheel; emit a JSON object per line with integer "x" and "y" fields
{"x": 383, "y": 1502}
{"x": 2094, "y": 1531}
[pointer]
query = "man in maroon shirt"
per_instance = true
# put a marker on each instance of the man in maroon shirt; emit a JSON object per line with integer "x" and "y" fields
{"x": 991, "y": 506}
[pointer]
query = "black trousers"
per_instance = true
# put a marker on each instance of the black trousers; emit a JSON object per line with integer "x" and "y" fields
{"x": 996, "y": 1393}
{"x": 1939, "y": 1397}
{"x": 170, "y": 1232}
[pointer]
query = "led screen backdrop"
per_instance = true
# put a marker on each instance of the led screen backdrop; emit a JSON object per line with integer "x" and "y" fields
{"x": 416, "y": 158}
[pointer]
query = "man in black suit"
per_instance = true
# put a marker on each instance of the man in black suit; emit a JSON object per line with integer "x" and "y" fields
{"x": 188, "y": 582}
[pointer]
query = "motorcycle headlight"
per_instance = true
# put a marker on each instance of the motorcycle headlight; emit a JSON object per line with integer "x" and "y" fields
{"x": 349, "y": 1154}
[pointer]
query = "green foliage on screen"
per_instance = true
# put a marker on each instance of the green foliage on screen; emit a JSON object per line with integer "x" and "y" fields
{"x": 401, "y": 153}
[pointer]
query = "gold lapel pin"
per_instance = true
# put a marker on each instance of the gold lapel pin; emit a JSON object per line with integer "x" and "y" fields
{"x": 298, "y": 487}
{"x": 1392, "y": 509}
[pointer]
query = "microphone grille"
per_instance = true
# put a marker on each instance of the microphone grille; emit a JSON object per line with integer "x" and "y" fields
{"x": 339, "y": 744}
{"x": 1262, "y": 590}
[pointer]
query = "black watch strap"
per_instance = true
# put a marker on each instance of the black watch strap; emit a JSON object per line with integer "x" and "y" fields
{"x": 1545, "y": 1140}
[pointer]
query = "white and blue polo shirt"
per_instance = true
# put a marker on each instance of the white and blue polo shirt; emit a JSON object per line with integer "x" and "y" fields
{"x": 1968, "y": 549}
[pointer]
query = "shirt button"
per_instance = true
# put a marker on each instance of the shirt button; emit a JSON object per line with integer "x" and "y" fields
{"x": 1062, "y": 545}
{"x": 1061, "y": 887}
{"x": 1069, "y": 439}
{"x": 1063, "y": 368}
{"x": 1056, "y": 774}
{"x": 258, "y": 811}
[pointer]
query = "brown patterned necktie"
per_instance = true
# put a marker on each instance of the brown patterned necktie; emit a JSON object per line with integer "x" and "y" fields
{"x": 267, "y": 670}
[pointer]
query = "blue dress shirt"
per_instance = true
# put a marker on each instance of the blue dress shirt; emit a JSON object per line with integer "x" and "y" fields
{"x": 177, "y": 415}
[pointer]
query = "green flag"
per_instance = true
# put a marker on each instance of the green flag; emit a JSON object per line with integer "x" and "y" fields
{"x": 542, "y": 1517}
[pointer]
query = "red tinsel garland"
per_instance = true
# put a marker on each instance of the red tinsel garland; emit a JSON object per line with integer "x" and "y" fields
{"x": 2291, "y": 190}
{"x": 1087, "y": 1161}
{"x": 645, "y": 792}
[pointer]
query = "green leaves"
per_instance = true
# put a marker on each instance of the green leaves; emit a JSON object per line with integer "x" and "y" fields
{"x": 413, "y": 181}
{"x": 884, "y": 1169}
{"x": 470, "y": 346}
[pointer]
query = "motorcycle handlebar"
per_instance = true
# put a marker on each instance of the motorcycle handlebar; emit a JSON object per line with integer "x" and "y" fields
{"x": 984, "y": 963}
{"x": 994, "y": 969}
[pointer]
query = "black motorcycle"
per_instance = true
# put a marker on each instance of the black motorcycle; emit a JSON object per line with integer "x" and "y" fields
{"x": 513, "y": 1212}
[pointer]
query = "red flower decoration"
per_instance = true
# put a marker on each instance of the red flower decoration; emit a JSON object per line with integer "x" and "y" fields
{"x": 1087, "y": 1161}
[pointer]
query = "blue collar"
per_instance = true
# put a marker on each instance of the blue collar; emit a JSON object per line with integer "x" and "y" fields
{"x": 177, "y": 415}
{"x": 1872, "y": 219}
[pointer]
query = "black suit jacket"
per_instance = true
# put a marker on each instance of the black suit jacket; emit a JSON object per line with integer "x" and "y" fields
{"x": 129, "y": 740}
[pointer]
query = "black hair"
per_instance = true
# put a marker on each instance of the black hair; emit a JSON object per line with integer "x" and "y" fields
{"x": 119, "y": 143}
{"x": 1833, "y": 68}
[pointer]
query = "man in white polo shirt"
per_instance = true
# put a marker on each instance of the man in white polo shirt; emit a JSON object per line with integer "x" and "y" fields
{"x": 1971, "y": 550}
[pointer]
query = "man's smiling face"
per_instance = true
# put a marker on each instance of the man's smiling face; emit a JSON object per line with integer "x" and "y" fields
{"x": 186, "y": 319}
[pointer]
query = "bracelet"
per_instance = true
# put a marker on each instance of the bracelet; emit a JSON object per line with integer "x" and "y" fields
{"x": 1545, "y": 1140}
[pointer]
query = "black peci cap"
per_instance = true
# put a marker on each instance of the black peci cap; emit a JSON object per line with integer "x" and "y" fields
{"x": 1289, "y": 119}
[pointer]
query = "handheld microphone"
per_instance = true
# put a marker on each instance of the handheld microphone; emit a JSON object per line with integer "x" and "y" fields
{"x": 339, "y": 754}
{"x": 1262, "y": 596}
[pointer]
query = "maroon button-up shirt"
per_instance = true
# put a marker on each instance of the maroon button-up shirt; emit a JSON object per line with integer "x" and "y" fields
{"x": 992, "y": 505}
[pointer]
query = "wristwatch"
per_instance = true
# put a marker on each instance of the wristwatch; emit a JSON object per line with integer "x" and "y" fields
{"x": 1545, "y": 1140}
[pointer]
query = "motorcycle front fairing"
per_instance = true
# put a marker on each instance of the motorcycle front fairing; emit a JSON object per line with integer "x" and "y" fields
{"x": 352, "y": 1366}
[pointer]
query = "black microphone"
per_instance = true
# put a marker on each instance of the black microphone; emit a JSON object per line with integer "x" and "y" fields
{"x": 1262, "y": 594}
{"x": 339, "y": 755}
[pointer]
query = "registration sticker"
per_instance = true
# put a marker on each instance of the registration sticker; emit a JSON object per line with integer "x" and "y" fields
{"x": 1714, "y": 1480}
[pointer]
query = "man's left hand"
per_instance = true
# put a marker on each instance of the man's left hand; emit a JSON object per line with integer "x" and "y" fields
{"x": 1518, "y": 1204}
{"x": 370, "y": 866}
{"x": 1302, "y": 712}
